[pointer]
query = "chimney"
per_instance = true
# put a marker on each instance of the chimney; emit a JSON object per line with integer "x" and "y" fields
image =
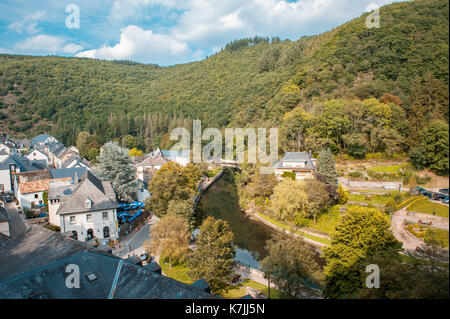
{"x": 75, "y": 178}
{"x": 310, "y": 154}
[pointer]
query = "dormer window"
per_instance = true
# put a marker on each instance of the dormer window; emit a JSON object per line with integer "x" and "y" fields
{"x": 88, "y": 203}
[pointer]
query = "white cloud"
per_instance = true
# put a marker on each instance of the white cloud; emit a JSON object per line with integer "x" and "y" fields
{"x": 142, "y": 45}
{"x": 47, "y": 43}
{"x": 29, "y": 23}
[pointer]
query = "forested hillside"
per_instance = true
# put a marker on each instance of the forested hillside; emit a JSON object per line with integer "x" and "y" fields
{"x": 353, "y": 89}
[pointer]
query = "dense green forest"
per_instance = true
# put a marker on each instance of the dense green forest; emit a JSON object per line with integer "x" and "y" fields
{"x": 353, "y": 89}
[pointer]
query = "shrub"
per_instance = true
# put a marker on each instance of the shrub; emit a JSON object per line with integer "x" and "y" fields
{"x": 437, "y": 236}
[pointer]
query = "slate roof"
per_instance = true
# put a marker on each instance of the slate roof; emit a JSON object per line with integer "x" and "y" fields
{"x": 297, "y": 157}
{"x": 60, "y": 190}
{"x": 33, "y": 265}
{"x": 39, "y": 139}
{"x": 68, "y": 172}
{"x": 155, "y": 160}
{"x": 100, "y": 193}
{"x": 23, "y": 163}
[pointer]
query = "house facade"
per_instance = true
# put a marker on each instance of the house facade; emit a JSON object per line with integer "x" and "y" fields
{"x": 85, "y": 210}
{"x": 37, "y": 155}
{"x": 300, "y": 163}
{"x": 146, "y": 168}
{"x": 11, "y": 165}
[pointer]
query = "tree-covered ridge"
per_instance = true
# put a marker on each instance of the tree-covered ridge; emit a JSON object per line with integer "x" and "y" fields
{"x": 352, "y": 89}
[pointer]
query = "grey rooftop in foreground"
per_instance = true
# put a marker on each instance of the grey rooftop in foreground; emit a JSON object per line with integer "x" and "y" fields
{"x": 33, "y": 265}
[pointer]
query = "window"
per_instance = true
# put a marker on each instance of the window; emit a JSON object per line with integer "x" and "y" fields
{"x": 36, "y": 195}
{"x": 72, "y": 219}
{"x": 105, "y": 215}
{"x": 88, "y": 203}
{"x": 89, "y": 217}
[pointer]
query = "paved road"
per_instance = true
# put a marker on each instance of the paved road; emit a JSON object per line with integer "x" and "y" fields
{"x": 136, "y": 240}
{"x": 410, "y": 242}
{"x": 17, "y": 223}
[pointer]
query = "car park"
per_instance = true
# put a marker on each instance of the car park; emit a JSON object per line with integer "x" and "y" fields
{"x": 439, "y": 196}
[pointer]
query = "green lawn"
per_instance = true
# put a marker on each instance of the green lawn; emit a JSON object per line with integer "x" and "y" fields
{"x": 437, "y": 235}
{"x": 239, "y": 291}
{"x": 326, "y": 222}
{"x": 179, "y": 272}
{"x": 386, "y": 169}
{"x": 291, "y": 229}
{"x": 382, "y": 199}
{"x": 427, "y": 207}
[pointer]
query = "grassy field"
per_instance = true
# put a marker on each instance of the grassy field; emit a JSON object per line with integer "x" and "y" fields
{"x": 440, "y": 236}
{"x": 239, "y": 291}
{"x": 179, "y": 272}
{"x": 326, "y": 222}
{"x": 382, "y": 199}
{"x": 386, "y": 169}
{"x": 427, "y": 207}
{"x": 291, "y": 229}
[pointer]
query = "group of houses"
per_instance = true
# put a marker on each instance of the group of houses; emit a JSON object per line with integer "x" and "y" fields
{"x": 78, "y": 203}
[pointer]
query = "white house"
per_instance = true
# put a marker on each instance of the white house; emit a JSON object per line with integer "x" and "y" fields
{"x": 86, "y": 210}
{"x": 42, "y": 139}
{"x": 11, "y": 165}
{"x": 147, "y": 167}
{"x": 37, "y": 155}
{"x": 300, "y": 163}
{"x": 8, "y": 146}
{"x": 180, "y": 157}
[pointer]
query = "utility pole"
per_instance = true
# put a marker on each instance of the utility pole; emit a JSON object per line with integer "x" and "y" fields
{"x": 268, "y": 285}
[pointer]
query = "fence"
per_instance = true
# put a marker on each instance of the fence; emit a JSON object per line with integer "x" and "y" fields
{"x": 202, "y": 188}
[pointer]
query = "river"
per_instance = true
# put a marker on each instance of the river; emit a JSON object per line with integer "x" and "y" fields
{"x": 222, "y": 202}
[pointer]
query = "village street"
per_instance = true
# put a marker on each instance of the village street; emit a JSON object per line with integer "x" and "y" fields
{"x": 135, "y": 240}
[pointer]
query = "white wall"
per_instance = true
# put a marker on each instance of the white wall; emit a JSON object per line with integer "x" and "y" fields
{"x": 25, "y": 200}
{"x": 81, "y": 224}
{"x": 52, "y": 209}
{"x": 37, "y": 155}
{"x": 5, "y": 181}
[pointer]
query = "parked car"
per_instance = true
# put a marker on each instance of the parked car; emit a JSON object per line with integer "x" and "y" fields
{"x": 443, "y": 190}
{"x": 8, "y": 199}
{"x": 445, "y": 200}
{"x": 439, "y": 196}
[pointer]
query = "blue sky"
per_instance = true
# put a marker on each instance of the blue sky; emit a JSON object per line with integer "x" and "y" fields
{"x": 164, "y": 32}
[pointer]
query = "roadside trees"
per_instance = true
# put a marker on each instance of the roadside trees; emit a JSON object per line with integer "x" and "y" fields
{"x": 115, "y": 165}
{"x": 213, "y": 258}
{"x": 169, "y": 238}
{"x": 291, "y": 265}
{"x": 361, "y": 234}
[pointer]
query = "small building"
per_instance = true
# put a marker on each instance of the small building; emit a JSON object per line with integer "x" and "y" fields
{"x": 37, "y": 155}
{"x": 300, "y": 163}
{"x": 42, "y": 139}
{"x": 146, "y": 168}
{"x": 87, "y": 211}
{"x": 11, "y": 165}
{"x": 181, "y": 157}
